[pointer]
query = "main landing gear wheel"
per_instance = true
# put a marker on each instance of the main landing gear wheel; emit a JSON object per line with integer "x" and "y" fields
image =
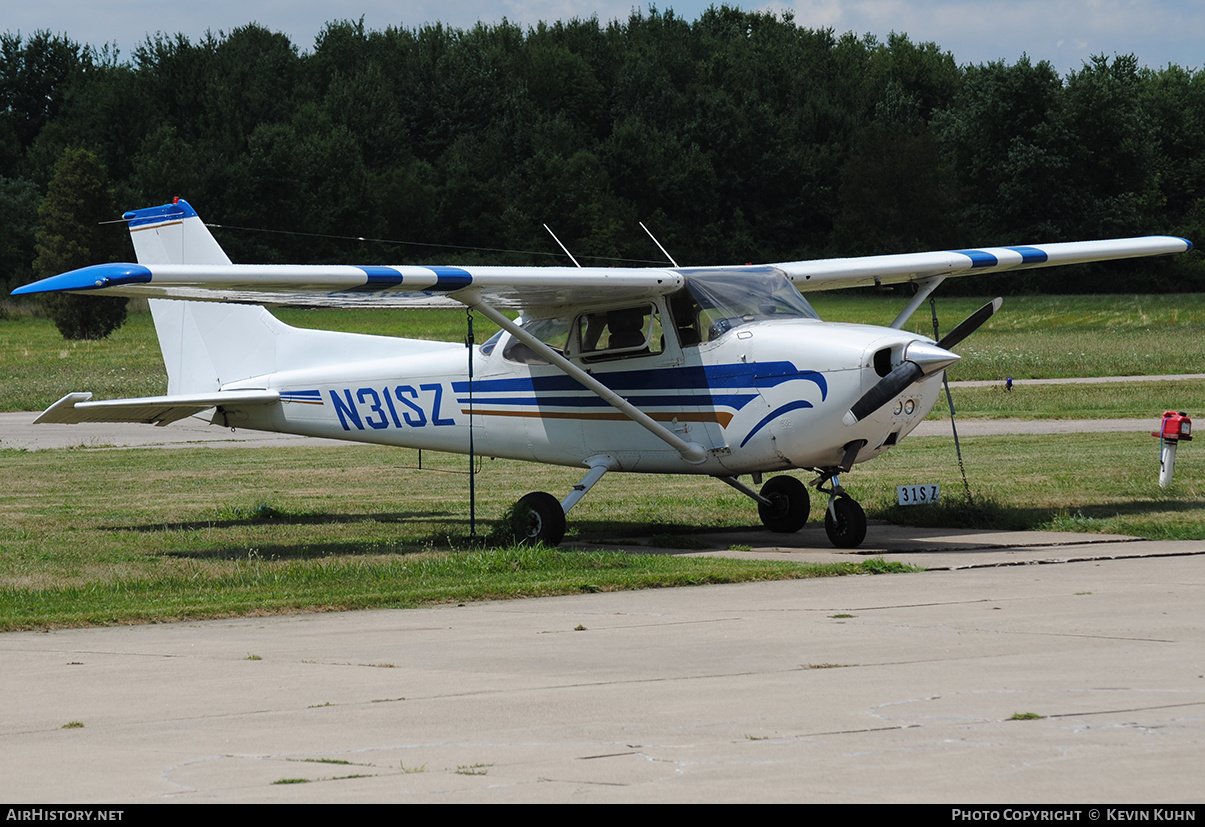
{"x": 789, "y": 505}
{"x": 539, "y": 518}
{"x": 845, "y": 523}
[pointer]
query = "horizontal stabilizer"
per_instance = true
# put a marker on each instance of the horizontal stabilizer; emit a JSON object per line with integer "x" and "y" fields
{"x": 157, "y": 410}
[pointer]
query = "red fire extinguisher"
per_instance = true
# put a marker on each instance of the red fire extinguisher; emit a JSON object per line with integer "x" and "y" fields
{"x": 1176, "y": 428}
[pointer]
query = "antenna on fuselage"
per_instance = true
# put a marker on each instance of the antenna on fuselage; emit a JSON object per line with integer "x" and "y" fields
{"x": 658, "y": 243}
{"x": 563, "y": 247}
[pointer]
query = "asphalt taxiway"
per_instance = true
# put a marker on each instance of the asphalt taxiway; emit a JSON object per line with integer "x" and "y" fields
{"x": 1023, "y": 668}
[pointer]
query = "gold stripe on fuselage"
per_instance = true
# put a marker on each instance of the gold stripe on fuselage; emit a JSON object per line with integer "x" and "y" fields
{"x": 722, "y": 417}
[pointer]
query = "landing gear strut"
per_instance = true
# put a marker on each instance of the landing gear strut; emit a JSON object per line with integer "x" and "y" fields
{"x": 783, "y": 504}
{"x": 844, "y": 519}
{"x": 539, "y": 518}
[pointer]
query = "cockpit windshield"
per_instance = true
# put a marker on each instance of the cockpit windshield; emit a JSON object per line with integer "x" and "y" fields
{"x": 715, "y": 301}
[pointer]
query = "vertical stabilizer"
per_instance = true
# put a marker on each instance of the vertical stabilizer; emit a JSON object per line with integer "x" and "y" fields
{"x": 173, "y": 234}
{"x": 205, "y": 345}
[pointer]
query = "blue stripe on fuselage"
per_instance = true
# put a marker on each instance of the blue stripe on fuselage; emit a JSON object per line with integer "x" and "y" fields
{"x": 712, "y": 377}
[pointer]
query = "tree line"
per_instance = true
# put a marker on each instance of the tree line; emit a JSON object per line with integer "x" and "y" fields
{"x": 737, "y": 137}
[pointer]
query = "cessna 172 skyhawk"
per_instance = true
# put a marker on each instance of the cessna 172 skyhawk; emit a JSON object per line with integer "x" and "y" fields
{"x": 717, "y": 371}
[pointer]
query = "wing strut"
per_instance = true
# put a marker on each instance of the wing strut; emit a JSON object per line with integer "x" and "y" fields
{"x": 926, "y": 287}
{"x": 692, "y": 452}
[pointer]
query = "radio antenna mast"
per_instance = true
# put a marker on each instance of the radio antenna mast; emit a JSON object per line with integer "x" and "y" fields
{"x": 563, "y": 247}
{"x": 658, "y": 243}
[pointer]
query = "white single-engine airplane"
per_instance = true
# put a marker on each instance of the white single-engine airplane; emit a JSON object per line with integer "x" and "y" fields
{"x": 719, "y": 371}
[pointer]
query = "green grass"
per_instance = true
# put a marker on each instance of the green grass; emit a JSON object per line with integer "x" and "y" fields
{"x": 1112, "y": 400}
{"x": 1097, "y": 483}
{"x": 117, "y": 536}
{"x": 37, "y": 366}
{"x": 1047, "y": 337}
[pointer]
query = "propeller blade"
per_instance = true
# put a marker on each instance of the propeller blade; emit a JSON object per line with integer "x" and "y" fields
{"x": 970, "y": 324}
{"x": 888, "y": 388}
{"x": 921, "y": 359}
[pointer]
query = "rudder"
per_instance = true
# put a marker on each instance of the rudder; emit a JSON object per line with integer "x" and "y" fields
{"x": 205, "y": 345}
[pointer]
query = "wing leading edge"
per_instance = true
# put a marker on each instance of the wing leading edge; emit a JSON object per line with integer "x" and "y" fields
{"x": 866, "y": 271}
{"x": 528, "y": 287}
{"x": 367, "y": 286}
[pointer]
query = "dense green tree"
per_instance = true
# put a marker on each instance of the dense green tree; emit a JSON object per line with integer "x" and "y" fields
{"x": 74, "y": 234}
{"x": 19, "y": 201}
{"x": 36, "y": 77}
{"x": 1007, "y": 138}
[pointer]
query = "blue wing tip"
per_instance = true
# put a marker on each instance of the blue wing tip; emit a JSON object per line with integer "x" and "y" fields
{"x": 88, "y": 278}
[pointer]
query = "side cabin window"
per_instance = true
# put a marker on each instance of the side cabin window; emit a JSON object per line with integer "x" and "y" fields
{"x": 599, "y": 336}
{"x": 685, "y": 310}
{"x": 553, "y": 332}
{"x": 619, "y": 333}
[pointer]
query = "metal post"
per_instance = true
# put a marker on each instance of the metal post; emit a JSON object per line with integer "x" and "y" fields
{"x": 468, "y": 342}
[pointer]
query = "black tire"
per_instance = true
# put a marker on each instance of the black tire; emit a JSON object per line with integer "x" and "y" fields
{"x": 539, "y": 518}
{"x": 789, "y": 505}
{"x": 848, "y": 530}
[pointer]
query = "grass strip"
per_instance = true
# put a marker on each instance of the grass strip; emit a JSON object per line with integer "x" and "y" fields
{"x": 337, "y": 584}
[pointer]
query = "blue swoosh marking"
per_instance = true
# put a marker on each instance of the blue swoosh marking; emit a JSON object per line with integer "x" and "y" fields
{"x": 735, "y": 400}
{"x": 714, "y": 377}
{"x": 772, "y": 415}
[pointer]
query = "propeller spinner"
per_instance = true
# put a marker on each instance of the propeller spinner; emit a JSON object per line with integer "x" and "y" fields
{"x": 921, "y": 359}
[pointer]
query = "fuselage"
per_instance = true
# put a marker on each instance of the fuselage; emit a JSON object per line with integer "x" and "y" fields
{"x": 762, "y": 387}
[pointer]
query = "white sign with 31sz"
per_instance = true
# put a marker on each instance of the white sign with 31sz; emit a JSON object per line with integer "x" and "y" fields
{"x": 918, "y": 494}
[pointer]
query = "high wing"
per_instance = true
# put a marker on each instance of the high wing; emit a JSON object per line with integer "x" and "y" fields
{"x": 523, "y": 288}
{"x": 866, "y": 271}
{"x": 367, "y": 286}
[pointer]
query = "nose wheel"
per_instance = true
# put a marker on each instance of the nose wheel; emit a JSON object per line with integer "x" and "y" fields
{"x": 844, "y": 519}
{"x": 845, "y": 522}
